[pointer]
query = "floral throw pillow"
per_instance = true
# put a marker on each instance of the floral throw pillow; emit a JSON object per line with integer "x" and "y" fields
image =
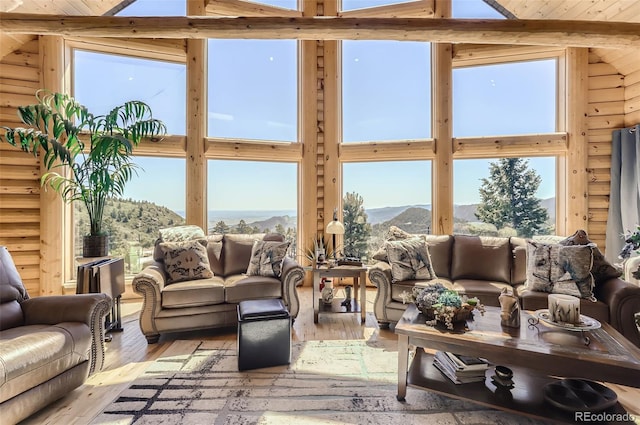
{"x": 186, "y": 260}
{"x": 409, "y": 259}
{"x": 602, "y": 270}
{"x": 266, "y": 258}
{"x": 560, "y": 269}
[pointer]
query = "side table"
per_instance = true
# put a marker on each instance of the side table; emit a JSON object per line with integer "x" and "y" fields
{"x": 359, "y": 275}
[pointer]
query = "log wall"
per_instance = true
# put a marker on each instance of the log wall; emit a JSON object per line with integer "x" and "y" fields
{"x": 19, "y": 172}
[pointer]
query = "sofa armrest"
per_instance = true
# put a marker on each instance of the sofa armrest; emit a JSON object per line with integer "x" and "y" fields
{"x": 85, "y": 308}
{"x": 380, "y": 276}
{"x": 292, "y": 277}
{"x": 623, "y": 299}
{"x": 149, "y": 283}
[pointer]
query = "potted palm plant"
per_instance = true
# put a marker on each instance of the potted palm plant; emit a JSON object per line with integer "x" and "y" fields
{"x": 87, "y": 156}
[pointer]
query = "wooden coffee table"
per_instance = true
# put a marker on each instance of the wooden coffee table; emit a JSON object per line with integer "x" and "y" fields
{"x": 537, "y": 355}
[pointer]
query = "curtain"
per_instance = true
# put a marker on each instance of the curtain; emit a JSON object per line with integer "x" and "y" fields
{"x": 624, "y": 200}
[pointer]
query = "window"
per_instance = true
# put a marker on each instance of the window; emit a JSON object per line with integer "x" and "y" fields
{"x": 511, "y": 98}
{"x": 285, "y": 4}
{"x": 155, "y": 8}
{"x": 505, "y": 197}
{"x": 160, "y": 84}
{"x": 253, "y": 89}
{"x": 253, "y": 197}
{"x": 469, "y": 9}
{"x": 361, "y": 4}
{"x": 377, "y": 195}
{"x": 386, "y": 90}
{"x": 153, "y": 199}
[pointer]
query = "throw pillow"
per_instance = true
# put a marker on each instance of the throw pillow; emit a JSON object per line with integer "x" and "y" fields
{"x": 393, "y": 234}
{"x": 186, "y": 260}
{"x": 409, "y": 259}
{"x": 560, "y": 269}
{"x": 267, "y": 258}
{"x": 176, "y": 234}
{"x": 602, "y": 270}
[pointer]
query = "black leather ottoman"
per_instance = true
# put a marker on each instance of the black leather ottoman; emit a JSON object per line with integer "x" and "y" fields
{"x": 264, "y": 334}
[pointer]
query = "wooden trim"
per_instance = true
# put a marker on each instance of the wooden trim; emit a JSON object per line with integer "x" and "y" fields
{"x": 577, "y": 126}
{"x": 196, "y": 163}
{"x": 486, "y": 54}
{"x": 51, "y": 237}
{"x": 442, "y": 124}
{"x": 165, "y": 50}
{"x": 168, "y": 147}
{"x": 510, "y": 146}
{"x": 252, "y": 150}
{"x": 332, "y": 113}
{"x": 387, "y": 151}
{"x": 614, "y": 35}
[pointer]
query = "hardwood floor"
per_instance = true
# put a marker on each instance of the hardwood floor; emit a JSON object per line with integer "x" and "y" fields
{"x": 128, "y": 354}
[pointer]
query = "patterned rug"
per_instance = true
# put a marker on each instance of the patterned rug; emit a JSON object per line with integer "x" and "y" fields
{"x": 328, "y": 382}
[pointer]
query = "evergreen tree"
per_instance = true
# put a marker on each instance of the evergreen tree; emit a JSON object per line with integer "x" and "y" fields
{"x": 280, "y": 229}
{"x": 508, "y": 197}
{"x": 243, "y": 227}
{"x": 356, "y": 228}
{"x": 221, "y": 227}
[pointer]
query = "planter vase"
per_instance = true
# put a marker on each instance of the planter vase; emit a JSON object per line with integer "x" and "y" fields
{"x": 95, "y": 246}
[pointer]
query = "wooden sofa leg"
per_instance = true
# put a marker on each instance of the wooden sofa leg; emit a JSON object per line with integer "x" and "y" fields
{"x": 152, "y": 339}
{"x": 383, "y": 325}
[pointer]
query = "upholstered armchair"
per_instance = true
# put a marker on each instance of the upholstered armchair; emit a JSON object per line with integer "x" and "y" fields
{"x": 48, "y": 345}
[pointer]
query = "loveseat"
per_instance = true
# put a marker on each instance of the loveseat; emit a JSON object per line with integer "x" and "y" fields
{"x": 482, "y": 266}
{"x": 210, "y": 299}
{"x": 48, "y": 345}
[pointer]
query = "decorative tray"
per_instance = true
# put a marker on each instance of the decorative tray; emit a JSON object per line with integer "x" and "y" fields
{"x": 579, "y": 395}
{"x": 586, "y": 322}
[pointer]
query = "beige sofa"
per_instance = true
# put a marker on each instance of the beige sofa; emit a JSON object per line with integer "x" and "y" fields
{"x": 481, "y": 266}
{"x": 48, "y": 345}
{"x": 211, "y": 302}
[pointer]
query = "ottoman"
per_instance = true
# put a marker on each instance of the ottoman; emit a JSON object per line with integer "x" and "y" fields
{"x": 264, "y": 334}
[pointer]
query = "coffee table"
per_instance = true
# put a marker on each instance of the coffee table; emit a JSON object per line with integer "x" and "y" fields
{"x": 537, "y": 354}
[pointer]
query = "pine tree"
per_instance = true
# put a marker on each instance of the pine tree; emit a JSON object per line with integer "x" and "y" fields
{"x": 356, "y": 228}
{"x": 221, "y": 227}
{"x": 508, "y": 197}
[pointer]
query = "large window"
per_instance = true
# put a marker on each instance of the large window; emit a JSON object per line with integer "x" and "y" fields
{"x": 155, "y": 197}
{"x": 505, "y": 197}
{"x": 512, "y": 98}
{"x": 253, "y": 197}
{"x": 253, "y": 89}
{"x": 361, "y": 4}
{"x": 386, "y": 90}
{"x": 377, "y": 195}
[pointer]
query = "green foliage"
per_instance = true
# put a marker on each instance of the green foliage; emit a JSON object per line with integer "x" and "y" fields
{"x": 356, "y": 228}
{"x": 450, "y": 298}
{"x": 88, "y": 157}
{"x": 221, "y": 227}
{"x": 508, "y": 197}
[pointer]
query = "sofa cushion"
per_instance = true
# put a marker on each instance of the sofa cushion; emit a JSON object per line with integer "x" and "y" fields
{"x": 187, "y": 260}
{"x": 214, "y": 251}
{"x": 266, "y": 258}
{"x": 409, "y": 259}
{"x": 486, "y": 291}
{"x": 193, "y": 293}
{"x": 560, "y": 269}
{"x": 533, "y": 301}
{"x": 236, "y": 252}
{"x": 518, "y": 260}
{"x": 481, "y": 258}
{"x": 33, "y": 354}
{"x": 176, "y": 234}
{"x": 440, "y": 251}
{"x": 602, "y": 270}
{"x": 10, "y": 315}
{"x": 239, "y": 288}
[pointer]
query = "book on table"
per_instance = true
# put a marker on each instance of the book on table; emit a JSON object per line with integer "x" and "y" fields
{"x": 457, "y": 374}
{"x": 467, "y": 362}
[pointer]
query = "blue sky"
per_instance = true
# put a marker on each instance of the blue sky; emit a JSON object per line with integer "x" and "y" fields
{"x": 253, "y": 95}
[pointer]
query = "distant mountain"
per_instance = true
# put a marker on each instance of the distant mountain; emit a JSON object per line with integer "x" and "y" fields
{"x": 412, "y": 220}
{"x": 285, "y": 220}
{"x": 380, "y": 215}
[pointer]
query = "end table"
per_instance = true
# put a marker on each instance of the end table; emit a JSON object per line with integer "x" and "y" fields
{"x": 359, "y": 275}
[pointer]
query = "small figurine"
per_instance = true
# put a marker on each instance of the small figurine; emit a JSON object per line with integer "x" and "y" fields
{"x": 509, "y": 309}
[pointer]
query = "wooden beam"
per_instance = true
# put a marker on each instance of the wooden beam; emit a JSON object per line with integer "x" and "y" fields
{"x": 485, "y": 31}
{"x": 413, "y": 9}
{"x": 255, "y": 150}
{"x": 246, "y": 8}
{"x": 510, "y": 146}
{"x": 387, "y": 151}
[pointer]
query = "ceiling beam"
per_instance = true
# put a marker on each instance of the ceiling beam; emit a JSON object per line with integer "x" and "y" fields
{"x": 488, "y": 31}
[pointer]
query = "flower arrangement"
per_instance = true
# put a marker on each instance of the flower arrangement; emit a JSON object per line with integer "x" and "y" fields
{"x": 437, "y": 303}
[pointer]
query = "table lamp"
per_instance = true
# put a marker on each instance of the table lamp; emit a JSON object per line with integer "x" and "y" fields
{"x": 335, "y": 227}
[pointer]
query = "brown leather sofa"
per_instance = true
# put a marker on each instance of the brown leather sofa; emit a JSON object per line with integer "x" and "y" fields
{"x": 481, "y": 266}
{"x": 48, "y": 345}
{"x": 212, "y": 302}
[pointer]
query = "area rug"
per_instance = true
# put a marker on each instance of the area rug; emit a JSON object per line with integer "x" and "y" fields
{"x": 328, "y": 382}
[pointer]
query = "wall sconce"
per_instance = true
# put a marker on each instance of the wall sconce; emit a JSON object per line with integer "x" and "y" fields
{"x": 334, "y": 228}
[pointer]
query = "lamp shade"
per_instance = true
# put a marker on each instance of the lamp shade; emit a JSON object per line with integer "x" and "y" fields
{"x": 335, "y": 227}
